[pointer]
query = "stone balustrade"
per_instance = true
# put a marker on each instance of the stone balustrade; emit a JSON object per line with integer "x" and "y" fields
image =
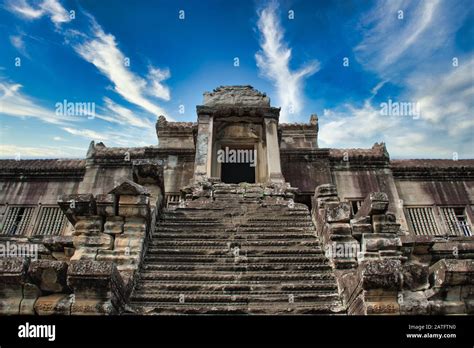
{"x": 391, "y": 273}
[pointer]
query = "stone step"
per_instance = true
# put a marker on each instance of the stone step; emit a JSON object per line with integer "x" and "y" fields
{"x": 243, "y": 250}
{"x": 240, "y": 229}
{"x": 223, "y": 235}
{"x": 190, "y": 266}
{"x": 225, "y": 308}
{"x": 158, "y": 286}
{"x": 238, "y": 268}
{"x": 226, "y": 243}
{"x": 276, "y": 297}
{"x": 236, "y": 277}
{"x": 233, "y": 260}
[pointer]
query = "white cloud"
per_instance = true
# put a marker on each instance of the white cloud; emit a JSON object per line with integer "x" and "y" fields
{"x": 389, "y": 38}
{"x": 274, "y": 63}
{"x": 18, "y": 42}
{"x": 447, "y": 98}
{"x": 51, "y": 8}
{"x": 406, "y": 53}
{"x": 445, "y": 125}
{"x": 102, "y": 51}
{"x": 123, "y": 115}
{"x": 157, "y": 89}
{"x": 87, "y": 133}
{"x": 24, "y": 152}
{"x": 16, "y": 104}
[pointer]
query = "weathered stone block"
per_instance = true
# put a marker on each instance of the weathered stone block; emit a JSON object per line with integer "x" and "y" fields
{"x": 57, "y": 304}
{"x": 359, "y": 229}
{"x": 447, "y": 307}
{"x": 129, "y": 188}
{"x": 374, "y": 203}
{"x": 100, "y": 241}
{"x": 325, "y": 190}
{"x": 380, "y": 274}
{"x": 376, "y": 242}
{"x": 133, "y": 243}
{"x": 377, "y": 221}
{"x": 135, "y": 226}
{"x": 340, "y": 229}
{"x": 415, "y": 276}
{"x": 97, "y": 286}
{"x": 389, "y": 227}
{"x": 340, "y": 212}
{"x": 134, "y": 200}
{"x": 105, "y": 205}
{"x": 324, "y": 202}
{"x": 84, "y": 253}
{"x": 12, "y": 279}
{"x": 449, "y": 272}
{"x": 134, "y": 210}
{"x": 114, "y": 225}
{"x": 57, "y": 243}
{"x": 49, "y": 275}
{"x": 413, "y": 303}
{"x": 88, "y": 225}
{"x": 30, "y": 294}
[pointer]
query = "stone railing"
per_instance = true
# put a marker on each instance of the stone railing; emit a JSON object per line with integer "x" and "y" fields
{"x": 380, "y": 270}
{"x": 91, "y": 272}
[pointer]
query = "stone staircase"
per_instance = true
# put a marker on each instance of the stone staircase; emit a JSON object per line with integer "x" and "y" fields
{"x": 235, "y": 251}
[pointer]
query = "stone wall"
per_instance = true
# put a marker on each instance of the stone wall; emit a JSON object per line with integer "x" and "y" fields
{"x": 381, "y": 270}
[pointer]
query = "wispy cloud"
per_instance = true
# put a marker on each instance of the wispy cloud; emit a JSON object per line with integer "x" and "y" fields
{"x": 86, "y": 133}
{"x": 274, "y": 62}
{"x": 157, "y": 89}
{"x": 443, "y": 92}
{"x": 51, "y": 8}
{"x": 446, "y": 101}
{"x": 18, "y": 42}
{"x": 14, "y": 103}
{"x": 447, "y": 98}
{"x": 102, "y": 51}
{"x": 122, "y": 115}
{"x": 24, "y": 152}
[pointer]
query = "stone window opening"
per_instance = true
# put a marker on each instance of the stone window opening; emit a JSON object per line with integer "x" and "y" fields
{"x": 456, "y": 221}
{"x": 17, "y": 220}
{"x": 51, "y": 221}
{"x": 422, "y": 220}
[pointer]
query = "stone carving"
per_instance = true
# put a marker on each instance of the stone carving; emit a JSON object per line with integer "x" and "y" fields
{"x": 236, "y": 95}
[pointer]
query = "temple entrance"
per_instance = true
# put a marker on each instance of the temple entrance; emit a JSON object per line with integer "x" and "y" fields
{"x": 234, "y": 173}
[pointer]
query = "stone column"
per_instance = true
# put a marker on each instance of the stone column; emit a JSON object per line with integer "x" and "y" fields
{"x": 203, "y": 161}
{"x": 273, "y": 151}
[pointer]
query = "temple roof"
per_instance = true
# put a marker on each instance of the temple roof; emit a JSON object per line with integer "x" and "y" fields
{"x": 377, "y": 150}
{"x": 41, "y": 165}
{"x": 432, "y": 163}
{"x": 236, "y": 96}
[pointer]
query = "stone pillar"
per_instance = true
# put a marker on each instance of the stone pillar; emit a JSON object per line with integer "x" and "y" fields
{"x": 97, "y": 286}
{"x": 203, "y": 160}
{"x": 273, "y": 151}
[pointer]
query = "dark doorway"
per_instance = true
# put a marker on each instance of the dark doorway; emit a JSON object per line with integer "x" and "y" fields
{"x": 234, "y": 173}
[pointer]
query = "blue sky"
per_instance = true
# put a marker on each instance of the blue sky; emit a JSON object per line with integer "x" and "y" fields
{"x": 137, "y": 60}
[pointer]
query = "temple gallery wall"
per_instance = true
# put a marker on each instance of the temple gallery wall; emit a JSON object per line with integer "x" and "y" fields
{"x": 236, "y": 213}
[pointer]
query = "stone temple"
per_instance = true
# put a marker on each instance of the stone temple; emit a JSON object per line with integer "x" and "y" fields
{"x": 173, "y": 229}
